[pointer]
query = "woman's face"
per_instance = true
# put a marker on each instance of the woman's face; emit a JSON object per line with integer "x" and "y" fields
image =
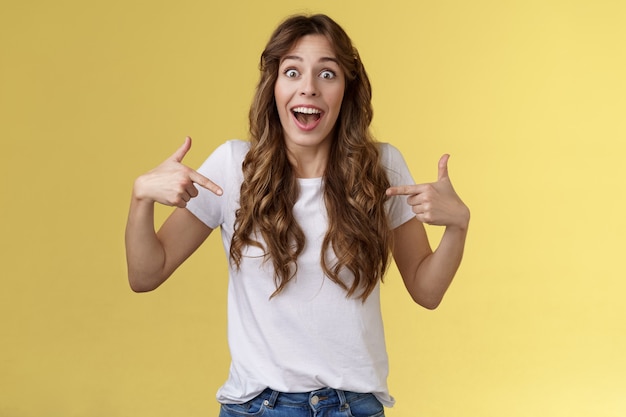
{"x": 308, "y": 92}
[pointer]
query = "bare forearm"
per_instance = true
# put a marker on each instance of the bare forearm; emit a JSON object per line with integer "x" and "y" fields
{"x": 144, "y": 252}
{"x": 152, "y": 257}
{"x": 437, "y": 270}
{"x": 427, "y": 274}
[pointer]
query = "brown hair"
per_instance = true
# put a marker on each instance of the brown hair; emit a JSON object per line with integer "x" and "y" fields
{"x": 354, "y": 181}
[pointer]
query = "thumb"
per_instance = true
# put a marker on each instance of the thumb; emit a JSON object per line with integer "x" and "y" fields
{"x": 182, "y": 151}
{"x": 443, "y": 167}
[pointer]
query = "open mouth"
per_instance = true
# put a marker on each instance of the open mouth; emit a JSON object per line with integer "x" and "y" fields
{"x": 307, "y": 117}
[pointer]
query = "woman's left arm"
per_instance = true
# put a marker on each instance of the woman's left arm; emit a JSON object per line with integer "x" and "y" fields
{"x": 427, "y": 274}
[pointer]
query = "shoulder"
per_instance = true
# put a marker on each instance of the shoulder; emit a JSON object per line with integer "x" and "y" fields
{"x": 390, "y": 156}
{"x": 393, "y": 162}
{"x": 225, "y": 158}
{"x": 228, "y": 154}
{"x": 388, "y": 152}
{"x": 234, "y": 149}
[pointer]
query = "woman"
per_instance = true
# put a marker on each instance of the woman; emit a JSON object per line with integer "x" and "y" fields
{"x": 310, "y": 210}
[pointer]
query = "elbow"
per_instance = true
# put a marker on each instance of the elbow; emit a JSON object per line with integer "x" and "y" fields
{"x": 430, "y": 305}
{"x": 140, "y": 286}
{"x": 428, "y": 295}
{"x": 428, "y": 302}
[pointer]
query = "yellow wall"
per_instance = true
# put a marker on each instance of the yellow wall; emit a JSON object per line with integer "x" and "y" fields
{"x": 529, "y": 97}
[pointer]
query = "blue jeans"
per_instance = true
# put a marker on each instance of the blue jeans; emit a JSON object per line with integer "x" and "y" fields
{"x": 321, "y": 403}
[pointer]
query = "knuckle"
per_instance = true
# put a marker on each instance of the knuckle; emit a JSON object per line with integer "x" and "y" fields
{"x": 183, "y": 182}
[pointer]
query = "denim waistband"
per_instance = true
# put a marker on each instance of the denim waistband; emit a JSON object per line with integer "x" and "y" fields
{"x": 319, "y": 398}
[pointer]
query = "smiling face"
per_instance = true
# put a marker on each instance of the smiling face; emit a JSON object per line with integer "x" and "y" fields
{"x": 308, "y": 93}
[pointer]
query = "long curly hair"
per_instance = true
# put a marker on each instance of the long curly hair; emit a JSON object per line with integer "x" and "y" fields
{"x": 354, "y": 180}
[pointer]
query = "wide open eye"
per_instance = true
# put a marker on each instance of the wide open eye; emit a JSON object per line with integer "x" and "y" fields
{"x": 327, "y": 74}
{"x": 291, "y": 73}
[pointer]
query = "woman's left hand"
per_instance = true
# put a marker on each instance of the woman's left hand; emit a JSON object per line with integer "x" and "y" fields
{"x": 435, "y": 203}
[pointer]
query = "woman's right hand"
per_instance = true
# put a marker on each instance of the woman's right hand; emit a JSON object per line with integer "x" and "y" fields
{"x": 172, "y": 183}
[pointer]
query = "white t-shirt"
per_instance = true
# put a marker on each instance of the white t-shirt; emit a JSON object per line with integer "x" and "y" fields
{"x": 310, "y": 336}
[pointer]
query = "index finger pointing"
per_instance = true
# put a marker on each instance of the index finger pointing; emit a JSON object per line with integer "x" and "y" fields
{"x": 403, "y": 190}
{"x": 206, "y": 183}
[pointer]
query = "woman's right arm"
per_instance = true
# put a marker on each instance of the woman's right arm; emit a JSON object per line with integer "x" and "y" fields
{"x": 152, "y": 257}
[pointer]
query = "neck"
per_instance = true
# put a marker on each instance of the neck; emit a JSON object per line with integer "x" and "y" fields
{"x": 309, "y": 163}
{"x": 308, "y": 167}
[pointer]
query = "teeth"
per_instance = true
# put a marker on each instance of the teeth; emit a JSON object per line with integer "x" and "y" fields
{"x": 306, "y": 110}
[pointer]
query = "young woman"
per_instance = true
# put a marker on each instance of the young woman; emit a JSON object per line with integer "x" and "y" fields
{"x": 310, "y": 210}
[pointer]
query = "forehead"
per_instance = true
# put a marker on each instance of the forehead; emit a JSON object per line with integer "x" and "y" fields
{"x": 311, "y": 46}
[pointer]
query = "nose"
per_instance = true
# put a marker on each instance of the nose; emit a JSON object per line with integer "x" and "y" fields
{"x": 308, "y": 87}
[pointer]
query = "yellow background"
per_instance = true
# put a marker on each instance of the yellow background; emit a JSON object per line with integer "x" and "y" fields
{"x": 528, "y": 96}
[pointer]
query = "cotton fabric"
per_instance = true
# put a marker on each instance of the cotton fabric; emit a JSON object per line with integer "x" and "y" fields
{"x": 311, "y": 335}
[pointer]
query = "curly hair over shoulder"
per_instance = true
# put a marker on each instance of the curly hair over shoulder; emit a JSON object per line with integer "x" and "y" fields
{"x": 354, "y": 181}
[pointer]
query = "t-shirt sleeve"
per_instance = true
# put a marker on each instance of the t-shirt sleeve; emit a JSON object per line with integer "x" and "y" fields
{"x": 398, "y": 210}
{"x": 223, "y": 167}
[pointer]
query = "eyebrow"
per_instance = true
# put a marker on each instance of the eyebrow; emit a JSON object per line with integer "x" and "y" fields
{"x": 322, "y": 59}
